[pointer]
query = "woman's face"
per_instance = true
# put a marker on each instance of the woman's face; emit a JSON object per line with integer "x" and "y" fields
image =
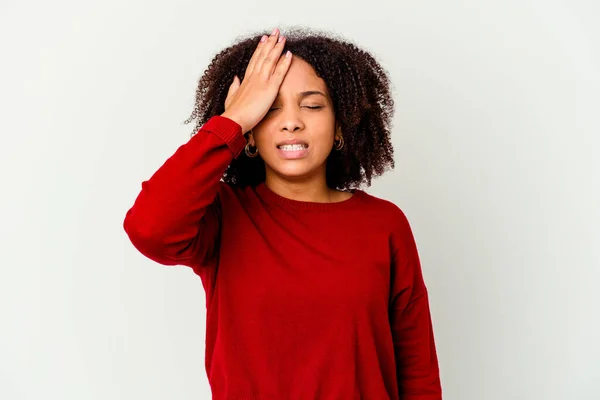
{"x": 296, "y": 136}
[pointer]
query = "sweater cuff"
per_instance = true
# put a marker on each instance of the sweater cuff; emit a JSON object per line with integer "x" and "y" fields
{"x": 227, "y": 130}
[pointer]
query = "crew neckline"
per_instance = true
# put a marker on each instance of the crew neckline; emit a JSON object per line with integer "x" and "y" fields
{"x": 271, "y": 197}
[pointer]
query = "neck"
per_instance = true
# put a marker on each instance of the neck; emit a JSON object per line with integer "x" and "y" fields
{"x": 314, "y": 189}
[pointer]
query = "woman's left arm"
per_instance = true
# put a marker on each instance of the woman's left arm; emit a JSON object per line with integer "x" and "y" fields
{"x": 410, "y": 319}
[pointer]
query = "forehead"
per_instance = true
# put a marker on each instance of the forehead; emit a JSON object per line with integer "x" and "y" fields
{"x": 301, "y": 77}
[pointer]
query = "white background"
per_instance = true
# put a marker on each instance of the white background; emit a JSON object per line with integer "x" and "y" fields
{"x": 496, "y": 135}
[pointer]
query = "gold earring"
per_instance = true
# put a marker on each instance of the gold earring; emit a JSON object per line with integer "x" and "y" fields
{"x": 339, "y": 144}
{"x": 249, "y": 153}
{"x": 247, "y": 148}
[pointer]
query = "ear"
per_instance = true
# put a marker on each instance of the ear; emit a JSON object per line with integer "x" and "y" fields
{"x": 251, "y": 139}
{"x": 338, "y": 131}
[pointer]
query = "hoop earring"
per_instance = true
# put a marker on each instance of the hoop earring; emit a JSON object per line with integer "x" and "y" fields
{"x": 249, "y": 153}
{"x": 339, "y": 144}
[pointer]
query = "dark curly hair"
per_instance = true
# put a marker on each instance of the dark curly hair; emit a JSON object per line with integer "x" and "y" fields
{"x": 359, "y": 89}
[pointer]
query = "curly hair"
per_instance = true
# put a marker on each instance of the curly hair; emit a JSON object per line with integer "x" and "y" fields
{"x": 359, "y": 89}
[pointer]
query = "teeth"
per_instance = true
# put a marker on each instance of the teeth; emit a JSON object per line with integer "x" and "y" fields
{"x": 292, "y": 147}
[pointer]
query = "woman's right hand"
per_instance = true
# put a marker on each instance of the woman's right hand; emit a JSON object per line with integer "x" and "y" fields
{"x": 248, "y": 103}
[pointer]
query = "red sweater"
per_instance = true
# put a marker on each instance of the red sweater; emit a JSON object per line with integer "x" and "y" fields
{"x": 304, "y": 300}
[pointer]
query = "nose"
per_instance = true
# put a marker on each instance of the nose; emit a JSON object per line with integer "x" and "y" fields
{"x": 290, "y": 120}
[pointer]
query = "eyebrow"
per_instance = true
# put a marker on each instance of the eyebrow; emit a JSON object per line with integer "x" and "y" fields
{"x": 310, "y": 93}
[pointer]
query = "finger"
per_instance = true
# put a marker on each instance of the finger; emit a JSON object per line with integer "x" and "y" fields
{"x": 277, "y": 54}
{"x": 265, "y": 52}
{"x": 283, "y": 66}
{"x": 254, "y": 57}
{"x": 262, "y": 50}
{"x": 234, "y": 86}
{"x": 273, "y": 58}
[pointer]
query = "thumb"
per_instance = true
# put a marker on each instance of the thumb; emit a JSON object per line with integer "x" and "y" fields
{"x": 231, "y": 92}
{"x": 234, "y": 85}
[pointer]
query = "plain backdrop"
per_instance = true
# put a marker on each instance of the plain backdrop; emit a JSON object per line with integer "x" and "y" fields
{"x": 496, "y": 134}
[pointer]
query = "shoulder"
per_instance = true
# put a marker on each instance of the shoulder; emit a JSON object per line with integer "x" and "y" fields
{"x": 236, "y": 197}
{"x": 384, "y": 208}
{"x": 391, "y": 218}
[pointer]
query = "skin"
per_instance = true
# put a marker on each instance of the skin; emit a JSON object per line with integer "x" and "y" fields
{"x": 273, "y": 102}
{"x": 302, "y": 110}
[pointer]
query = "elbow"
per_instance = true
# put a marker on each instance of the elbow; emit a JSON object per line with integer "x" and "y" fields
{"x": 136, "y": 230}
{"x": 146, "y": 239}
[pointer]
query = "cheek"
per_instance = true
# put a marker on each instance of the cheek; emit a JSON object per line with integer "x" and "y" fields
{"x": 323, "y": 143}
{"x": 262, "y": 137}
{"x": 265, "y": 132}
{"x": 263, "y": 143}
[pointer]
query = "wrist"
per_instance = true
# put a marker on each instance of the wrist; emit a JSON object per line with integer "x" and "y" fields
{"x": 236, "y": 119}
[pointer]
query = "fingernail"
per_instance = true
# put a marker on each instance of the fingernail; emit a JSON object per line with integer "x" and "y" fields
{"x": 280, "y": 39}
{"x": 288, "y": 54}
{"x": 263, "y": 39}
{"x": 274, "y": 31}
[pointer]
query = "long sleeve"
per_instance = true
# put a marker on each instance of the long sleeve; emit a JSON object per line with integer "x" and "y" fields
{"x": 412, "y": 331}
{"x": 175, "y": 217}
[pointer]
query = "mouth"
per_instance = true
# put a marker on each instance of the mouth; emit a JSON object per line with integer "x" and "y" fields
{"x": 293, "y": 147}
{"x": 293, "y": 151}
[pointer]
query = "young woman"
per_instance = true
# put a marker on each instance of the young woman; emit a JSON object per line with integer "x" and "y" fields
{"x": 313, "y": 287}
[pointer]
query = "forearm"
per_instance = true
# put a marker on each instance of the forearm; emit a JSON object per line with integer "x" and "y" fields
{"x": 166, "y": 216}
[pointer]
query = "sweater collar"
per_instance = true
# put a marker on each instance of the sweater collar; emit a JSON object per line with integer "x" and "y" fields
{"x": 273, "y": 198}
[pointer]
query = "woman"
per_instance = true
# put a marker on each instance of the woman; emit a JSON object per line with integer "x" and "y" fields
{"x": 313, "y": 287}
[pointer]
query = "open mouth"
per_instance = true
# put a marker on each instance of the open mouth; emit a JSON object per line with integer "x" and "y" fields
{"x": 293, "y": 147}
{"x": 293, "y": 151}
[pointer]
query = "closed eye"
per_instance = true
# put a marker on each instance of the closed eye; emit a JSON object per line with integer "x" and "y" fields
{"x": 309, "y": 107}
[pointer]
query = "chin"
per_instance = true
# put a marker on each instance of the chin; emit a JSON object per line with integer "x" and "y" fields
{"x": 295, "y": 170}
